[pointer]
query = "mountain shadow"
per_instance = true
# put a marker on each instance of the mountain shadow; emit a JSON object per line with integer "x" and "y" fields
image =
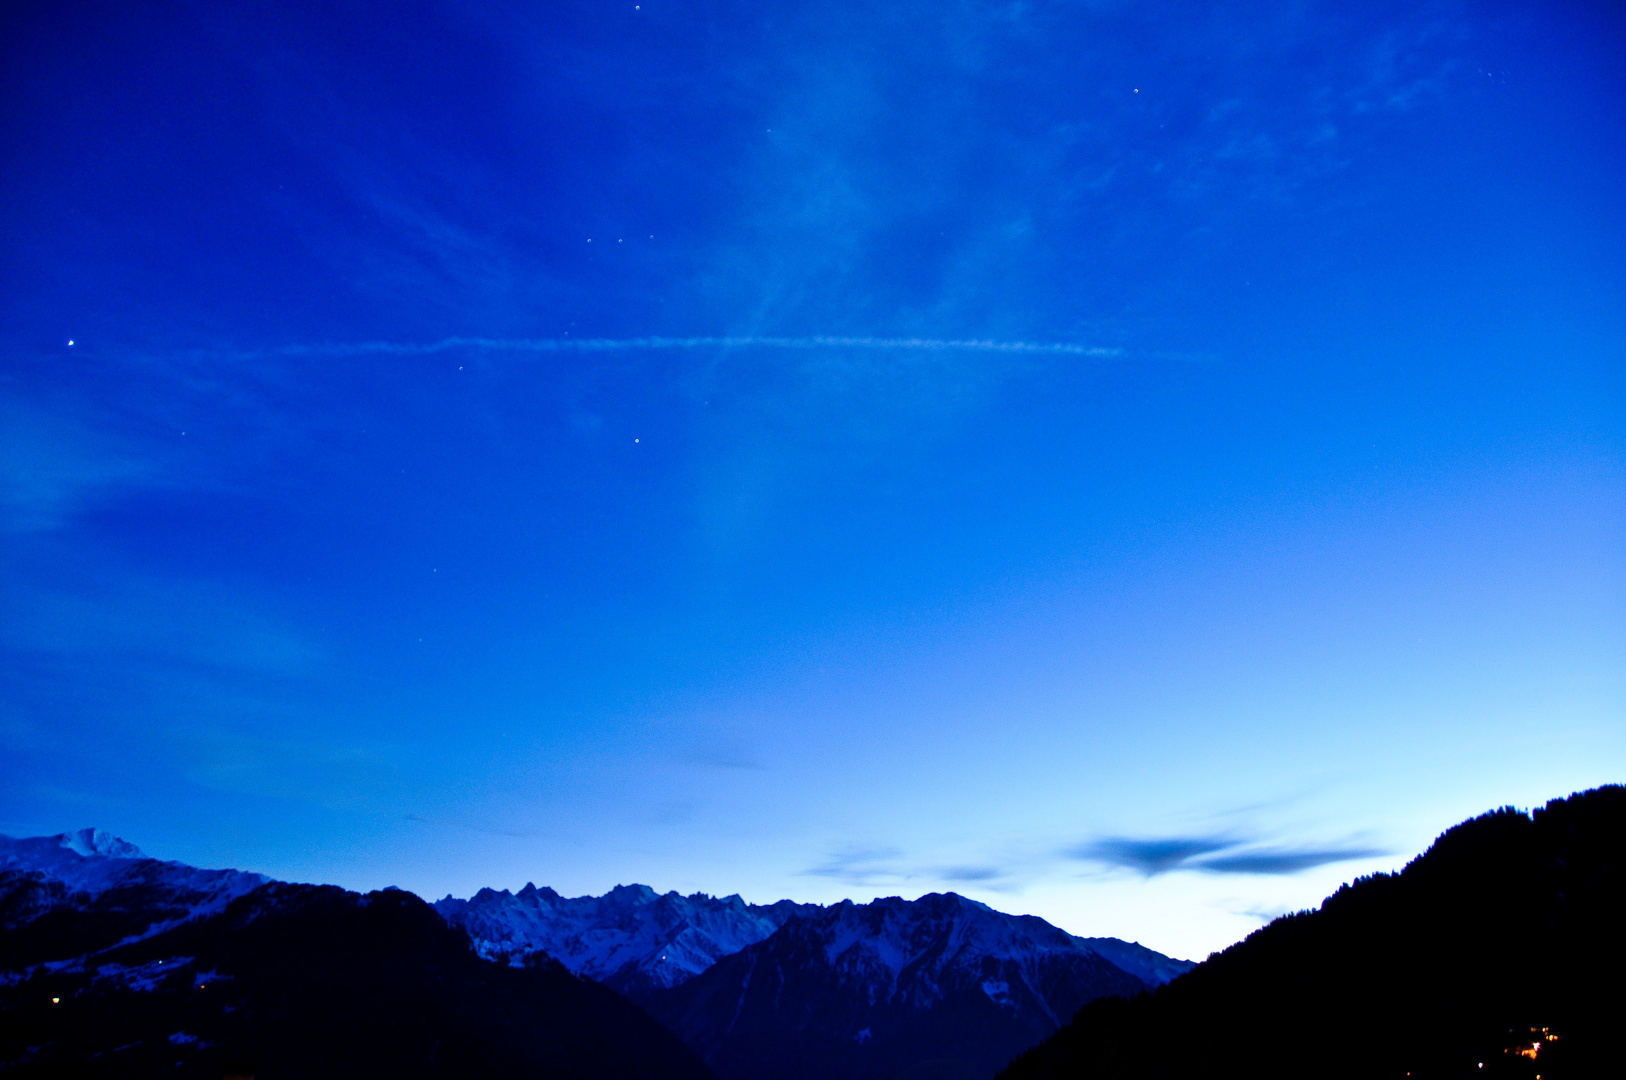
{"x": 298, "y": 981}
{"x": 941, "y": 988}
{"x": 1499, "y": 952}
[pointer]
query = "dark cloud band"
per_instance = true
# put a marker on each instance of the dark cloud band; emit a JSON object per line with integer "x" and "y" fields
{"x": 1212, "y": 855}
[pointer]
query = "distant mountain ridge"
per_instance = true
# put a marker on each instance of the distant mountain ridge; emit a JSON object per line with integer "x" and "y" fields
{"x": 88, "y": 890}
{"x": 639, "y": 941}
{"x": 939, "y": 988}
{"x": 942, "y": 986}
{"x": 117, "y": 966}
{"x": 632, "y": 938}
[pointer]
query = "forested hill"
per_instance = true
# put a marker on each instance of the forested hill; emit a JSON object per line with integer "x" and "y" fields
{"x": 296, "y": 981}
{"x": 1497, "y": 953}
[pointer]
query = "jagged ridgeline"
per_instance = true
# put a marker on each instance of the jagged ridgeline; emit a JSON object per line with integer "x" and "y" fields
{"x": 941, "y": 986}
{"x": 120, "y": 966}
{"x": 115, "y": 964}
{"x": 632, "y": 938}
{"x": 1497, "y": 953}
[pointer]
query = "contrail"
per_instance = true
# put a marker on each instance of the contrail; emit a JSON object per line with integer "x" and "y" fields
{"x": 568, "y": 344}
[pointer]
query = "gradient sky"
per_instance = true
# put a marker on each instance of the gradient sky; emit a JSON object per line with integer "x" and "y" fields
{"x": 1141, "y": 464}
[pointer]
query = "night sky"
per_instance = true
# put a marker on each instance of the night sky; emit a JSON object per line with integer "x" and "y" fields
{"x": 1141, "y": 464}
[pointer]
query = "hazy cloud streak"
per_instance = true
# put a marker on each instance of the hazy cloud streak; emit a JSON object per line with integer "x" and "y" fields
{"x": 860, "y": 866}
{"x": 1150, "y": 857}
{"x": 971, "y": 873}
{"x": 549, "y": 345}
{"x": 1276, "y": 861}
{"x": 1213, "y": 855}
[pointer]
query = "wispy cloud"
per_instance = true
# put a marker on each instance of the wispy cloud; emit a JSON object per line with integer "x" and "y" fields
{"x": 634, "y": 344}
{"x": 726, "y": 754}
{"x": 52, "y": 465}
{"x": 887, "y": 866}
{"x": 1214, "y": 855}
{"x": 1150, "y": 857}
{"x": 199, "y": 625}
{"x": 474, "y": 827}
{"x": 861, "y": 866}
{"x": 971, "y": 873}
{"x": 1265, "y": 914}
{"x": 1284, "y": 860}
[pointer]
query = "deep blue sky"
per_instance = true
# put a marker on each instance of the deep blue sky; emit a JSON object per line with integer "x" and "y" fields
{"x": 1139, "y": 463}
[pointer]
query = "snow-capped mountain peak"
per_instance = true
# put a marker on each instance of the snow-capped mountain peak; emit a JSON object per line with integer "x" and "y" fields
{"x": 875, "y": 989}
{"x": 631, "y": 938}
{"x": 111, "y": 881}
{"x": 87, "y": 860}
{"x": 92, "y": 842}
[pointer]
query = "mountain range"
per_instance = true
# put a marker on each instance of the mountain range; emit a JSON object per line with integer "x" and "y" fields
{"x": 632, "y": 938}
{"x": 157, "y": 965}
{"x": 1496, "y": 953}
{"x": 941, "y": 987}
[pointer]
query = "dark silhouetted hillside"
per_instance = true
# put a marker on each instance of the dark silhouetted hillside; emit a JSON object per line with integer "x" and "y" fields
{"x": 1497, "y": 953}
{"x": 298, "y": 981}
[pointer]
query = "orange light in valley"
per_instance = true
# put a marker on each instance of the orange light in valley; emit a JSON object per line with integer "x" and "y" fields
{"x": 1535, "y": 1048}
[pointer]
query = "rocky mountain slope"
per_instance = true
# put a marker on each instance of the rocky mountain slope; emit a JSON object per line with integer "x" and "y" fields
{"x": 84, "y": 891}
{"x": 940, "y": 987}
{"x": 632, "y": 938}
